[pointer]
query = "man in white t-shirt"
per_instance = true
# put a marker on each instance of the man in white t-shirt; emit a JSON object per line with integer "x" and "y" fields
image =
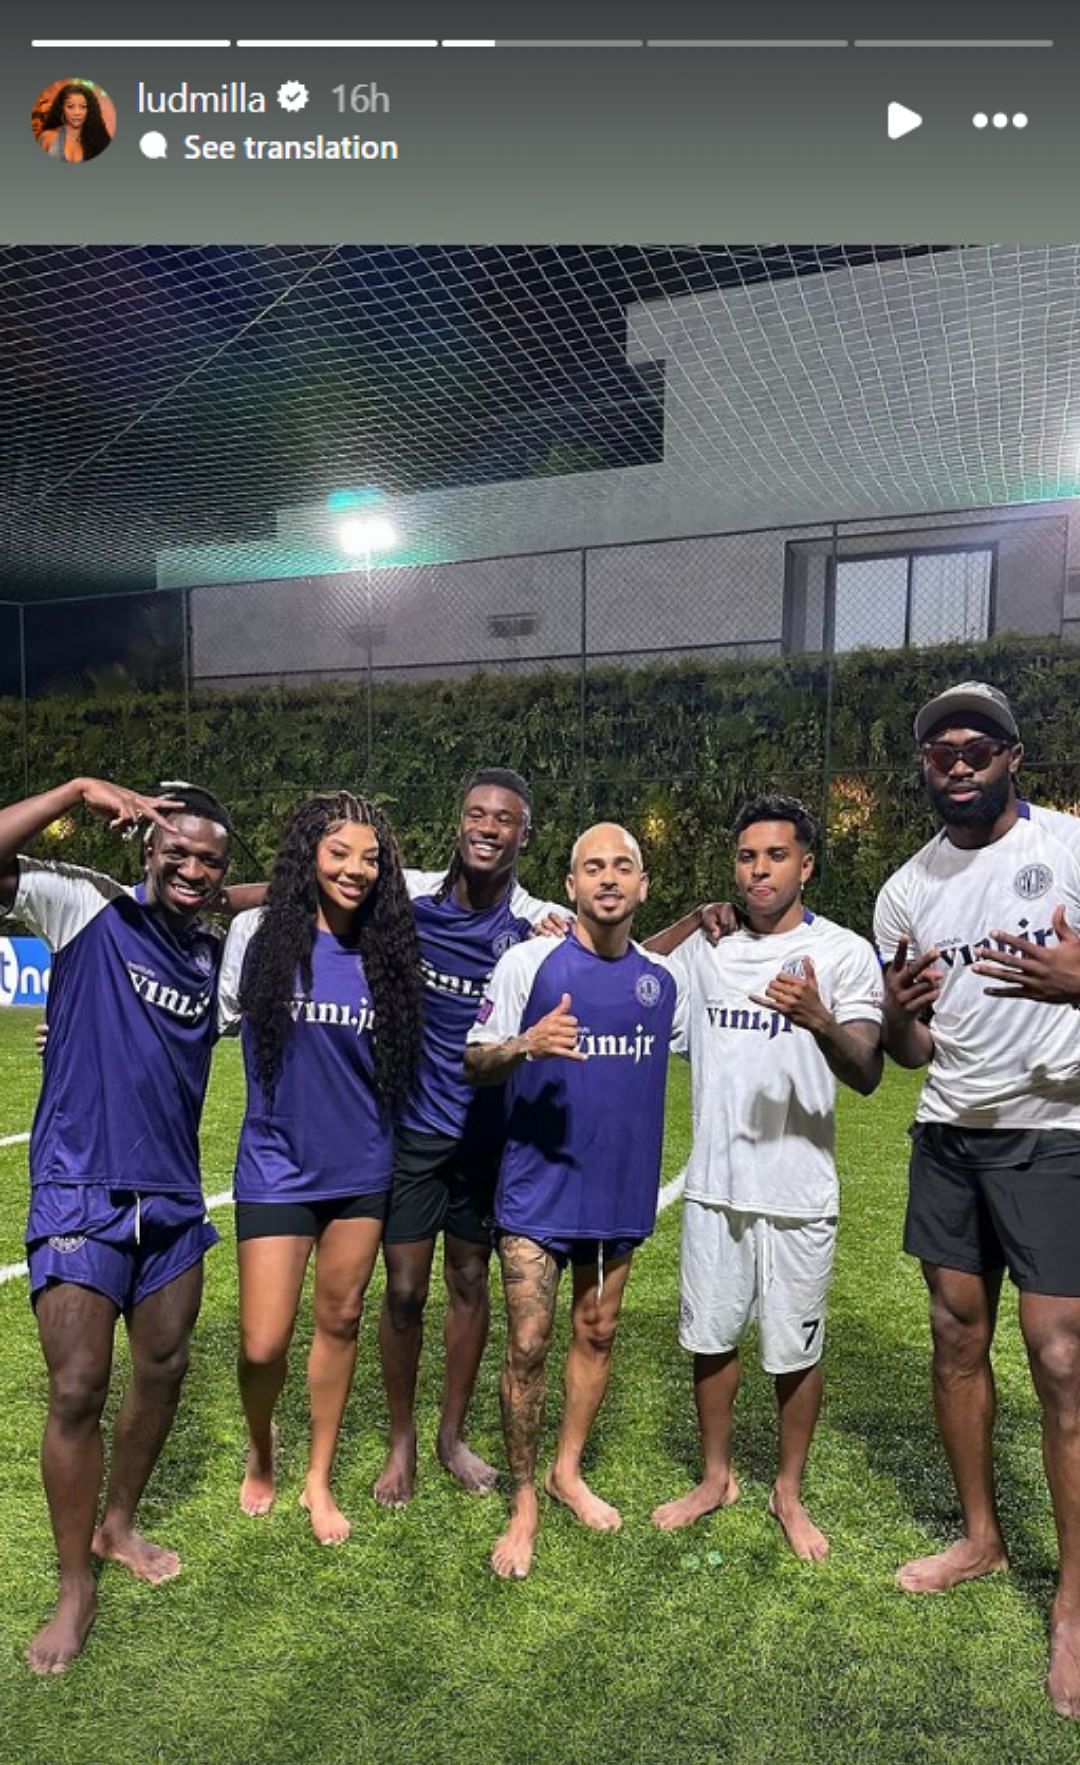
{"x": 777, "y": 1012}
{"x": 995, "y": 1164}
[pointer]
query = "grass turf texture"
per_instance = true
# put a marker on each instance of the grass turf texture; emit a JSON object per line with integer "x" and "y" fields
{"x": 711, "y": 1643}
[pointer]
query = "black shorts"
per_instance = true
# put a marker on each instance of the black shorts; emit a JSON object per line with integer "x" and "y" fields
{"x": 980, "y": 1200}
{"x": 304, "y": 1219}
{"x": 441, "y": 1185}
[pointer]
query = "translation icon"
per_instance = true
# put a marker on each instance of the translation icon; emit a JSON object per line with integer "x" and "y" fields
{"x": 154, "y": 144}
{"x": 901, "y": 121}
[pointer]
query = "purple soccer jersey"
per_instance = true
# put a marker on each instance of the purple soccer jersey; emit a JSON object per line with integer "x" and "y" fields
{"x": 458, "y": 951}
{"x": 583, "y": 1138}
{"x": 324, "y": 1133}
{"x": 131, "y": 1031}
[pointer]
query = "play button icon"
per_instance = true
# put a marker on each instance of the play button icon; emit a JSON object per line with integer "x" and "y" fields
{"x": 901, "y": 121}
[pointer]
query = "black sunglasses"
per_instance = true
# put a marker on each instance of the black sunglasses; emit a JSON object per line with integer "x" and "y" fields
{"x": 977, "y": 754}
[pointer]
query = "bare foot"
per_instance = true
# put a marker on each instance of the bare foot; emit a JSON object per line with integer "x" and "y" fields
{"x": 512, "y": 1556}
{"x": 574, "y": 1493}
{"x": 1063, "y": 1679}
{"x": 147, "y": 1562}
{"x": 467, "y": 1467}
{"x": 257, "y": 1489}
{"x": 708, "y": 1495}
{"x": 803, "y": 1536}
{"x": 397, "y": 1479}
{"x": 963, "y": 1561}
{"x": 327, "y": 1520}
{"x": 59, "y": 1641}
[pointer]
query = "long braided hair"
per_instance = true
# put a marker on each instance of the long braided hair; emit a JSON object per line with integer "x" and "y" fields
{"x": 384, "y": 931}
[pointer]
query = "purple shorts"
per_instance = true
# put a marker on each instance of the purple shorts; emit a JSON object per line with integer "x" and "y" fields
{"x": 581, "y": 1252}
{"x": 121, "y": 1244}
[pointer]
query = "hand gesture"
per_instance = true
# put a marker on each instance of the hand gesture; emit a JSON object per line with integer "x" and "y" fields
{"x": 911, "y": 986}
{"x": 1050, "y": 973}
{"x": 124, "y": 808}
{"x": 718, "y": 920}
{"x": 796, "y": 997}
{"x": 555, "y": 1034}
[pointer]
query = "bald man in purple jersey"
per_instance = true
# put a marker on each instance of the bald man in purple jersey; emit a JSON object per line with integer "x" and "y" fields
{"x": 580, "y": 1028}
{"x": 117, "y": 1221}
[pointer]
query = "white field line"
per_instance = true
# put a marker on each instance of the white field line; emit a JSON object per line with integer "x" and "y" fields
{"x": 14, "y": 1139}
{"x": 671, "y": 1191}
{"x": 15, "y": 1270}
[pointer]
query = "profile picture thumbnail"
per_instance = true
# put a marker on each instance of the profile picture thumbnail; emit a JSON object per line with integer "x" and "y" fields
{"x": 73, "y": 120}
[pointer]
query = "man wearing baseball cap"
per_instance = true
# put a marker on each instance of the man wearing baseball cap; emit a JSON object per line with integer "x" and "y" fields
{"x": 995, "y": 1163}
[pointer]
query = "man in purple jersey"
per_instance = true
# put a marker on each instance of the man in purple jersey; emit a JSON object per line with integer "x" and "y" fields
{"x": 117, "y": 1222}
{"x": 581, "y": 1028}
{"x": 449, "y": 1139}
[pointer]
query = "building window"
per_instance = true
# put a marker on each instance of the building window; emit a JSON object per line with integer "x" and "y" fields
{"x": 914, "y": 599}
{"x": 911, "y": 595}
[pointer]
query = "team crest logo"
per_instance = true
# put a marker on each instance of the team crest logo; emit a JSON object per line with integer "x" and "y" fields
{"x": 686, "y": 1313}
{"x": 505, "y": 942}
{"x": 646, "y": 989}
{"x": 67, "y": 1245}
{"x": 1034, "y": 880}
{"x": 795, "y": 966}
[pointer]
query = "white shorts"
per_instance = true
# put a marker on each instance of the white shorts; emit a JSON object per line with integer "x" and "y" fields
{"x": 738, "y": 1266}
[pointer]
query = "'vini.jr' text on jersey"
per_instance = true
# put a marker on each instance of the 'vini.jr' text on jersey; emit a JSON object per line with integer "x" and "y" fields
{"x": 583, "y": 1138}
{"x": 997, "y": 1063}
{"x": 131, "y": 1018}
{"x": 324, "y": 1132}
{"x": 764, "y": 1095}
{"x": 459, "y": 948}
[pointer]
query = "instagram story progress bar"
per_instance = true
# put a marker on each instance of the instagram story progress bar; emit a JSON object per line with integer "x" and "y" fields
{"x": 722, "y": 43}
{"x": 628, "y": 131}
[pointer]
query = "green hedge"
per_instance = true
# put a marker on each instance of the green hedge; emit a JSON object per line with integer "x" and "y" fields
{"x": 671, "y": 750}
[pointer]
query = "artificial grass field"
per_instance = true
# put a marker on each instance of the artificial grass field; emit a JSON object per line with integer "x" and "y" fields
{"x": 714, "y": 1643}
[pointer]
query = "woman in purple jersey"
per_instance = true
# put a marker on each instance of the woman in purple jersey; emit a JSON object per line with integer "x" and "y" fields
{"x": 329, "y": 988}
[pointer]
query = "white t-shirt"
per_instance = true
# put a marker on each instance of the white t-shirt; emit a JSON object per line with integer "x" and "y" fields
{"x": 763, "y": 1093}
{"x": 998, "y": 1063}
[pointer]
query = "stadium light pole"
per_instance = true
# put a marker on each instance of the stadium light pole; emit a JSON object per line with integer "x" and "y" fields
{"x": 361, "y": 536}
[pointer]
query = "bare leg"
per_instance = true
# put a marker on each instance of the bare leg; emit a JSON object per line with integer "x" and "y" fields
{"x": 401, "y": 1337}
{"x": 799, "y": 1397}
{"x": 271, "y": 1281}
{"x": 963, "y": 1311}
{"x": 595, "y": 1319}
{"x": 467, "y": 1319}
{"x": 76, "y": 1328}
{"x": 343, "y": 1263}
{"x": 716, "y": 1383}
{"x": 1052, "y": 1333}
{"x": 531, "y": 1284}
{"x": 160, "y": 1334}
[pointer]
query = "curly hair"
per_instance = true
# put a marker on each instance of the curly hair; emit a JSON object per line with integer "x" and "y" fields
{"x": 94, "y": 135}
{"x": 384, "y": 931}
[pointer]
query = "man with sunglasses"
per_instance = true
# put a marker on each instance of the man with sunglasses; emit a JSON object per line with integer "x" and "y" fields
{"x": 995, "y": 1163}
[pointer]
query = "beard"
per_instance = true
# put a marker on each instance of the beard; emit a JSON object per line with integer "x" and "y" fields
{"x": 983, "y": 809}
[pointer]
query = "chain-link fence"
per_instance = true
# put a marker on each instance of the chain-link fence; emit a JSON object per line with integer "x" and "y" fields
{"x": 661, "y": 682}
